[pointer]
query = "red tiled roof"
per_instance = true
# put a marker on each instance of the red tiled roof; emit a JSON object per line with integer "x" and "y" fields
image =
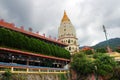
{"x": 11, "y": 26}
{"x": 86, "y": 48}
{"x": 32, "y": 54}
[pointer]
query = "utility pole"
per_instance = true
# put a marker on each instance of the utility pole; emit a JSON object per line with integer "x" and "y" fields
{"x": 108, "y": 48}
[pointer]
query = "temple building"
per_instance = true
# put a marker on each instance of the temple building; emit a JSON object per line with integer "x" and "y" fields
{"x": 22, "y": 48}
{"x": 67, "y": 34}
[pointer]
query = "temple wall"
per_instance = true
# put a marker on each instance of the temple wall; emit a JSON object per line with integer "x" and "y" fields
{"x": 38, "y": 77}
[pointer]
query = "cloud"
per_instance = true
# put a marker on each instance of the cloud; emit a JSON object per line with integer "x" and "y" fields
{"x": 93, "y": 15}
{"x": 44, "y": 16}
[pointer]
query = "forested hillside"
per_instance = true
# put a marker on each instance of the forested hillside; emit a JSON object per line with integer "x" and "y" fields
{"x": 113, "y": 43}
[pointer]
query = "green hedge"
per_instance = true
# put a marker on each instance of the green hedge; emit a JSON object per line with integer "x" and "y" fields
{"x": 20, "y": 41}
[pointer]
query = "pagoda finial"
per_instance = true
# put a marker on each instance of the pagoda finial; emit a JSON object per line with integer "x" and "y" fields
{"x": 64, "y": 12}
{"x": 65, "y": 17}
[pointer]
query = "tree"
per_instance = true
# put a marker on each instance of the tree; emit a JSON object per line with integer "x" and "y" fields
{"x": 88, "y": 52}
{"x": 116, "y": 74}
{"x": 82, "y": 65}
{"x": 117, "y": 49}
{"x": 101, "y": 65}
{"x": 105, "y": 65}
{"x": 101, "y": 50}
{"x": 7, "y": 75}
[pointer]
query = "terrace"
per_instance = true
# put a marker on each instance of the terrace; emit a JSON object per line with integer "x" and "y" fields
{"x": 31, "y": 59}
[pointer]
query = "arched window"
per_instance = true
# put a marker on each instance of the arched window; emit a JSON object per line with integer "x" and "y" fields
{"x": 69, "y": 48}
{"x": 69, "y": 41}
{"x": 74, "y": 42}
{"x": 64, "y": 29}
{"x": 66, "y": 40}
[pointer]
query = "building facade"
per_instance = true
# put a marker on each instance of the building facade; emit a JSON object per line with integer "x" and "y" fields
{"x": 67, "y": 34}
{"x": 22, "y": 55}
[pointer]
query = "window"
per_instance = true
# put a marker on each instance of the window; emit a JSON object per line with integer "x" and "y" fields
{"x": 64, "y": 29}
{"x": 69, "y": 41}
{"x": 74, "y": 42}
{"x": 66, "y": 40}
{"x": 69, "y": 48}
{"x": 73, "y": 48}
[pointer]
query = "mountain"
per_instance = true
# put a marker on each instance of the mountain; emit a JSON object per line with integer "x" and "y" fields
{"x": 113, "y": 43}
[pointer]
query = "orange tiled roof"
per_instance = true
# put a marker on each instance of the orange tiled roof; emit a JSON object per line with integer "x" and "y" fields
{"x": 86, "y": 48}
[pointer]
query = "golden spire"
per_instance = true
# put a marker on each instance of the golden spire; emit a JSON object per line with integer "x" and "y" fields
{"x": 65, "y": 17}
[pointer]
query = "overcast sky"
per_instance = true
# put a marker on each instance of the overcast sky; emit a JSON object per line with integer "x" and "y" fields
{"x": 45, "y": 16}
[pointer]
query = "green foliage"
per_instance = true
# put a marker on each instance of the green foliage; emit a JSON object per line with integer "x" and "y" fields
{"x": 117, "y": 50}
{"x": 62, "y": 77}
{"x": 101, "y": 50}
{"x": 17, "y": 40}
{"x": 105, "y": 64}
{"x": 88, "y": 52}
{"x": 116, "y": 75}
{"x": 7, "y": 75}
{"x": 82, "y": 64}
{"x": 100, "y": 64}
{"x": 115, "y": 42}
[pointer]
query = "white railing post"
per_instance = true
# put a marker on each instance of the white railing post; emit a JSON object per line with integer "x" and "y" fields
{"x": 47, "y": 70}
{"x": 27, "y": 70}
{"x": 39, "y": 70}
{"x": 12, "y": 69}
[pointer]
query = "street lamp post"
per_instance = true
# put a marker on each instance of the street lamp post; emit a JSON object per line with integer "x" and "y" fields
{"x": 108, "y": 47}
{"x": 96, "y": 76}
{"x": 12, "y": 58}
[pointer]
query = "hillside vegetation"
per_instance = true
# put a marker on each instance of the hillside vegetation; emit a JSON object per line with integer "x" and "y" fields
{"x": 113, "y": 43}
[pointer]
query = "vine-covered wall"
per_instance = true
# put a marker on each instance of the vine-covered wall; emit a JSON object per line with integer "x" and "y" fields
{"x": 20, "y": 41}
